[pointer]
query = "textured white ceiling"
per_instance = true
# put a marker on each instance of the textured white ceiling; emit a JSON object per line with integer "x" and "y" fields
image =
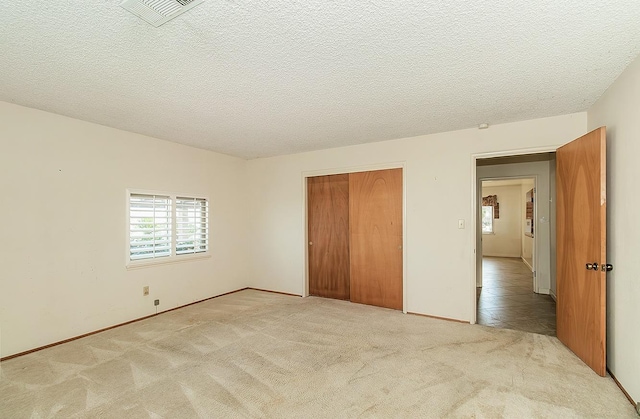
{"x": 261, "y": 78}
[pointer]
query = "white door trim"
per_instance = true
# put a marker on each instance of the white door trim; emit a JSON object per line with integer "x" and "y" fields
{"x": 534, "y": 268}
{"x": 474, "y": 209}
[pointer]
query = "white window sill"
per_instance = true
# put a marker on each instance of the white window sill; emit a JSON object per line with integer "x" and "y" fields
{"x": 169, "y": 260}
{"x": 488, "y": 234}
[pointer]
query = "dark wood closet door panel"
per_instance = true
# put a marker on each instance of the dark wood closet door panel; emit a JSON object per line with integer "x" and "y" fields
{"x": 328, "y": 221}
{"x": 375, "y": 213}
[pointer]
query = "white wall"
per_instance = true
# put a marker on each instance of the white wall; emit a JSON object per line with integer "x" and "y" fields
{"x": 62, "y": 267}
{"x": 506, "y": 240}
{"x": 619, "y": 110}
{"x": 438, "y": 189}
{"x": 527, "y": 241}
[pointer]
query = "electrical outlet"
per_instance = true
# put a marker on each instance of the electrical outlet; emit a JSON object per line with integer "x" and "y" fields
{"x": 156, "y": 302}
{"x": 145, "y": 290}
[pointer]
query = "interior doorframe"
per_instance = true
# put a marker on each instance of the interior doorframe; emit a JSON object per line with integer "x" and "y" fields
{"x": 534, "y": 261}
{"x": 355, "y": 169}
{"x": 474, "y": 209}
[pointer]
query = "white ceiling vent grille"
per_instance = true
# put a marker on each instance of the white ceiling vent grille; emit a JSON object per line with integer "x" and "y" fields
{"x": 157, "y": 12}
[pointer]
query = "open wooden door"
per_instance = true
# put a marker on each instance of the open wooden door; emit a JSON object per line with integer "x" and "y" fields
{"x": 581, "y": 248}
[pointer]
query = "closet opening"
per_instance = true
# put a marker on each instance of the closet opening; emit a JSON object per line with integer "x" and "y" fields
{"x": 355, "y": 237}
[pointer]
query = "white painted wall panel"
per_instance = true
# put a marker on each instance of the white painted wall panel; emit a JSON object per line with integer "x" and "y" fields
{"x": 438, "y": 192}
{"x": 63, "y": 247}
{"x": 619, "y": 110}
{"x": 506, "y": 240}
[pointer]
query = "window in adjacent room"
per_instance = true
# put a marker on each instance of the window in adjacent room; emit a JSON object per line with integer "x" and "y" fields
{"x": 487, "y": 219}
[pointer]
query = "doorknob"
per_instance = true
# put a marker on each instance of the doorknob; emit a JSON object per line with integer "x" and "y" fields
{"x": 592, "y": 266}
{"x": 606, "y": 267}
{"x": 310, "y": 243}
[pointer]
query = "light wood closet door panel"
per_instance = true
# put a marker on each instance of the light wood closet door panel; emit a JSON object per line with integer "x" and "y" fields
{"x": 375, "y": 213}
{"x": 328, "y": 221}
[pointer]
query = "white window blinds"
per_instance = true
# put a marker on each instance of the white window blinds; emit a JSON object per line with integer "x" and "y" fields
{"x": 192, "y": 225}
{"x": 149, "y": 226}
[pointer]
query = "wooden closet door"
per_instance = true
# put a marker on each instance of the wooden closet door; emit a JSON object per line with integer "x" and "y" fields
{"x": 375, "y": 215}
{"x": 328, "y": 221}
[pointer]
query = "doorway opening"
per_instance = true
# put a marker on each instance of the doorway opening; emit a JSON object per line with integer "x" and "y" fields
{"x": 579, "y": 168}
{"x": 506, "y": 295}
{"x": 515, "y": 242}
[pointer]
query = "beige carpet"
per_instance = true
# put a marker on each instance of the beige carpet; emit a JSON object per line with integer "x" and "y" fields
{"x": 256, "y": 354}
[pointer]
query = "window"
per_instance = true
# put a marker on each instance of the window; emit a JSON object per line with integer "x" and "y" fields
{"x": 487, "y": 219}
{"x": 192, "y": 231}
{"x": 149, "y": 226}
{"x": 163, "y": 227}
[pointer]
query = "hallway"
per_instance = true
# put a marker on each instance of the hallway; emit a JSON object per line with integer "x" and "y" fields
{"x": 506, "y": 299}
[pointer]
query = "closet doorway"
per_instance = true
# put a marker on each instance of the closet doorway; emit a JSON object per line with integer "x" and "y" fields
{"x": 355, "y": 237}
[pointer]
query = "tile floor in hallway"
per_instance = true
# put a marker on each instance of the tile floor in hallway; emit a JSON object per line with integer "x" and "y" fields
{"x": 507, "y": 300}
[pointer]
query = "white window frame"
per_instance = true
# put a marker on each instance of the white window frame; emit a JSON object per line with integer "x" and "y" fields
{"x": 173, "y": 257}
{"x": 492, "y": 219}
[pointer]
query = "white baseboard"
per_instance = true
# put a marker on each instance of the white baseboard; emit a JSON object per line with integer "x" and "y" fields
{"x": 500, "y": 255}
{"x": 543, "y": 291}
{"x": 526, "y": 263}
{"x": 553, "y": 295}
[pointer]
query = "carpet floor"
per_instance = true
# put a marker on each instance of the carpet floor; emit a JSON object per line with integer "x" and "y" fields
{"x": 257, "y": 354}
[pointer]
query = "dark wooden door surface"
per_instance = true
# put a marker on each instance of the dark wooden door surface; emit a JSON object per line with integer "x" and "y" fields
{"x": 581, "y": 240}
{"x": 328, "y": 222}
{"x": 375, "y": 202}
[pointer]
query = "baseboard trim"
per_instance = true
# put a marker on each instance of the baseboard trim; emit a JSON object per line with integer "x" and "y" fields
{"x": 273, "y": 292}
{"x": 501, "y": 256}
{"x": 439, "y": 318}
{"x": 615, "y": 380}
{"x": 113, "y": 327}
{"x": 526, "y": 263}
{"x": 553, "y": 295}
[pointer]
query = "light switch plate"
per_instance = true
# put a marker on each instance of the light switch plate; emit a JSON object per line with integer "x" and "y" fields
{"x": 461, "y": 224}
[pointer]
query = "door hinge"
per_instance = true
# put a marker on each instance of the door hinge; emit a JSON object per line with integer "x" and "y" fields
{"x": 534, "y": 274}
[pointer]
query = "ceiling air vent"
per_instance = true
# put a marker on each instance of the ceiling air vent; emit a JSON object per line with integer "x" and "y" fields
{"x": 157, "y": 12}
